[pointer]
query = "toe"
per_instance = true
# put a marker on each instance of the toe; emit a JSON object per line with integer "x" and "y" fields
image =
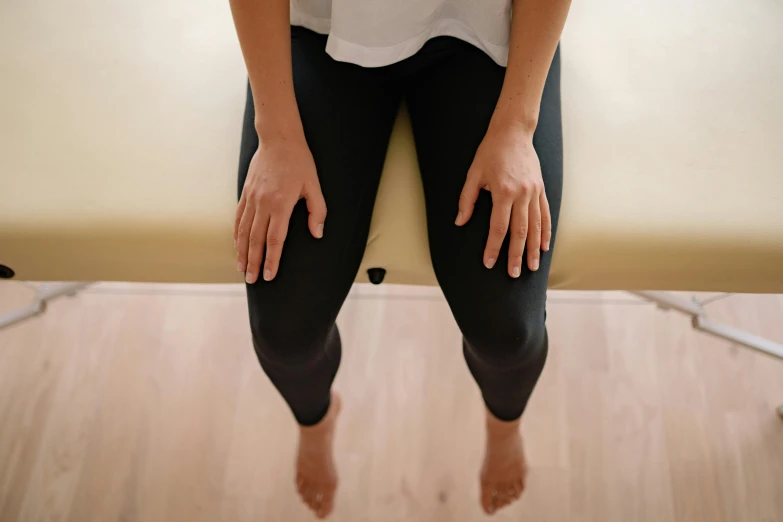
{"x": 485, "y": 499}
{"x": 324, "y": 509}
{"x": 486, "y": 505}
{"x": 318, "y": 501}
{"x": 488, "y": 498}
{"x": 501, "y": 501}
{"x": 500, "y": 496}
{"x": 315, "y": 500}
{"x": 328, "y": 505}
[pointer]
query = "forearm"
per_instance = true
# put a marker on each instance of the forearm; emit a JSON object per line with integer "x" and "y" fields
{"x": 264, "y": 31}
{"x": 536, "y": 26}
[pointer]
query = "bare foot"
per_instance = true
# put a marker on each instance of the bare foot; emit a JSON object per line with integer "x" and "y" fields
{"x": 316, "y": 476}
{"x": 504, "y": 469}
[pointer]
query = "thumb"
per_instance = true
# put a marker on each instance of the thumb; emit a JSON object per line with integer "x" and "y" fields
{"x": 467, "y": 199}
{"x": 316, "y": 206}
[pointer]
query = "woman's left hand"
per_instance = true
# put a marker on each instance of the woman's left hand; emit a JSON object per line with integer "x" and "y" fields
{"x": 506, "y": 164}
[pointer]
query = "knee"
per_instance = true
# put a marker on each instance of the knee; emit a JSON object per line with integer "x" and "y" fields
{"x": 289, "y": 339}
{"x": 507, "y": 340}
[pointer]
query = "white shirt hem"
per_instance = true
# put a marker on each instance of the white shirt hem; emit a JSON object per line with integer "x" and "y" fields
{"x": 345, "y": 51}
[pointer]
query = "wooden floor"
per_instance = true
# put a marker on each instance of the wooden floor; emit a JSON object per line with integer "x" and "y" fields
{"x": 146, "y": 403}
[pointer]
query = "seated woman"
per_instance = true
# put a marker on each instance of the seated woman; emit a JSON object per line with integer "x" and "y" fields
{"x": 481, "y": 84}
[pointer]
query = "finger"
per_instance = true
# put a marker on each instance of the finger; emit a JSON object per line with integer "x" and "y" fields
{"x": 316, "y": 206}
{"x": 498, "y": 227}
{"x": 275, "y": 237}
{"x": 518, "y": 235}
{"x": 256, "y": 245}
{"x": 243, "y": 234}
{"x": 534, "y": 234}
{"x": 467, "y": 199}
{"x": 238, "y": 218}
{"x": 546, "y": 222}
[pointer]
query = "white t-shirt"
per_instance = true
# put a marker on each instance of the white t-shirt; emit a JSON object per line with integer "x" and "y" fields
{"x": 373, "y": 33}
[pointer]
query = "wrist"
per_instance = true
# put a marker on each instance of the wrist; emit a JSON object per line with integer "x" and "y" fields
{"x": 512, "y": 128}
{"x": 271, "y": 130}
{"x": 514, "y": 122}
{"x": 509, "y": 118}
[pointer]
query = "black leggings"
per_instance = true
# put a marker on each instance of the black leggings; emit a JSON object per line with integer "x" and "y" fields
{"x": 348, "y": 111}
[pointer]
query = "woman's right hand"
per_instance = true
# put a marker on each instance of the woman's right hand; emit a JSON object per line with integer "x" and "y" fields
{"x": 281, "y": 172}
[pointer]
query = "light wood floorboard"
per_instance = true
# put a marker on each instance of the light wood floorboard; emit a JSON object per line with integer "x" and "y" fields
{"x": 142, "y": 403}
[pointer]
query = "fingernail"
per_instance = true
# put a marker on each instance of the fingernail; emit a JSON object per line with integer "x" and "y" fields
{"x": 459, "y": 218}
{"x": 535, "y": 264}
{"x": 490, "y": 262}
{"x": 250, "y": 278}
{"x": 546, "y": 246}
{"x": 267, "y": 275}
{"x": 319, "y": 231}
{"x": 515, "y": 271}
{"x": 240, "y": 266}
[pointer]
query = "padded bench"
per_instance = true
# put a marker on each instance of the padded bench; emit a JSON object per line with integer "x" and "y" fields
{"x": 120, "y": 126}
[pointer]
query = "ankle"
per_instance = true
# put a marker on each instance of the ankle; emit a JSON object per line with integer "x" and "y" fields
{"x": 499, "y": 430}
{"x": 324, "y": 428}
